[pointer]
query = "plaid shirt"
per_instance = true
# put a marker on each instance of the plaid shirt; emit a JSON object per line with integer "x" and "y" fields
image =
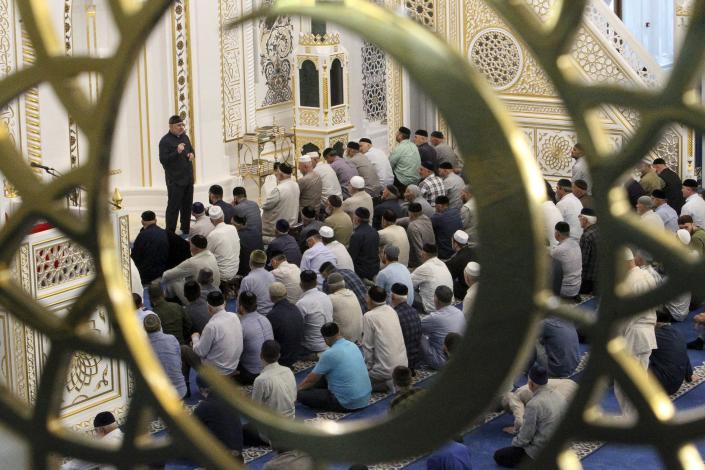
{"x": 431, "y": 188}
{"x": 411, "y": 330}
{"x": 354, "y": 283}
{"x": 588, "y": 247}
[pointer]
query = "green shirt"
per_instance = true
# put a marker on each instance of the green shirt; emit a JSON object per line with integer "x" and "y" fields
{"x": 173, "y": 318}
{"x": 697, "y": 241}
{"x": 406, "y": 161}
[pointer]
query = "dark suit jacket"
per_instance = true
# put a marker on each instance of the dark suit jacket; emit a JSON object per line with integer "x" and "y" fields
{"x": 177, "y": 167}
{"x": 364, "y": 246}
{"x": 673, "y": 187}
{"x": 288, "y": 328}
{"x": 150, "y": 253}
{"x": 381, "y": 208}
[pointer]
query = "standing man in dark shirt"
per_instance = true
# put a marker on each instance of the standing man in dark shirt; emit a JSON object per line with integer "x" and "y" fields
{"x": 248, "y": 210}
{"x": 215, "y": 197}
{"x": 364, "y": 245}
{"x": 673, "y": 186}
{"x": 150, "y": 252}
{"x": 176, "y": 156}
{"x": 250, "y": 240}
{"x": 446, "y": 221}
{"x": 287, "y": 325}
{"x": 426, "y": 150}
{"x": 457, "y": 263}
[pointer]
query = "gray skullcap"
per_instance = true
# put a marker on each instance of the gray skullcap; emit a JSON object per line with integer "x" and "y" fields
{"x": 336, "y": 280}
{"x": 151, "y": 323}
{"x": 645, "y": 201}
{"x": 215, "y": 213}
{"x": 414, "y": 189}
{"x": 391, "y": 251}
{"x": 277, "y": 290}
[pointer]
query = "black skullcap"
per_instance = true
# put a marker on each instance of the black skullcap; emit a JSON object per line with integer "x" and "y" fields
{"x": 365, "y": 139}
{"x": 428, "y": 165}
{"x": 446, "y": 166}
{"x": 216, "y": 189}
{"x": 215, "y": 298}
{"x": 565, "y": 183}
{"x": 437, "y": 135}
{"x": 330, "y": 329}
{"x": 308, "y": 212}
{"x": 240, "y": 219}
{"x": 582, "y": 184}
{"x": 563, "y": 227}
{"x": 538, "y": 375}
{"x": 588, "y": 211}
{"x": 389, "y": 215}
{"x": 198, "y": 208}
{"x": 377, "y": 294}
{"x": 104, "y": 418}
{"x": 286, "y": 168}
{"x": 199, "y": 241}
{"x": 239, "y": 191}
{"x": 362, "y": 213}
{"x": 405, "y": 130}
{"x": 659, "y": 161}
{"x": 392, "y": 189}
{"x": 325, "y": 267}
{"x": 248, "y": 300}
{"x": 422, "y": 132}
{"x": 329, "y": 151}
{"x": 442, "y": 200}
{"x": 659, "y": 193}
{"x": 282, "y": 226}
{"x": 690, "y": 183}
{"x": 353, "y": 145}
{"x": 148, "y": 216}
{"x": 399, "y": 289}
{"x": 175, "y": 119}
{"x": 415, "y": 207}
{"x": 430, "y": 248}
{"x": 308, "y": 276}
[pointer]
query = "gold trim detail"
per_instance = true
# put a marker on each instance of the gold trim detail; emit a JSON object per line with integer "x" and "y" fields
{"x": 328, "y": 39}
{"x": 230, "y": 70}
{"x": 183, "y": 75}
{"x": 33, "y": 131}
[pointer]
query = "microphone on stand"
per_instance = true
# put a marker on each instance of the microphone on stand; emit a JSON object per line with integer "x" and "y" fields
{"x": 37, "y": 165}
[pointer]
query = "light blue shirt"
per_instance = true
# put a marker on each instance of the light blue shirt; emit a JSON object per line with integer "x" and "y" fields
{"x": 669, "y": 216}
{"x": 256, "y": 329}
{"x": 258, "y": 282}
{"x": 396, "y": 273}
{"x": 168, "y": 350}
{"x": 314, "y": 257}
{"x": 346, "y": 374}
{"x": 434, "y": 328}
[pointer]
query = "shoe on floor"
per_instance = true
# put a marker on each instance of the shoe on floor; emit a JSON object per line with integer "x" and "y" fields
{"x": 697, "y": 343}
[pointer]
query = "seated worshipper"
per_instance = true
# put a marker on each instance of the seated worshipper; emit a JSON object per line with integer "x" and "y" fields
{"x": 317, "y": 309}
{"x": 457, "y": 263}
{"x": 352, "y": 282}
{"x": 220, "y": 345}
{"x": 316, "y": 255}
{"x": 394, "y": 272}
{"x": 390, "y": 201}
{"x": 471, "y": 274}
{"x": 282, "y": 202}
{"x": 174, "y": 278}
{"x": 420, "y": 232}
{"x": 551, "y": 216}
{"x": 258, "y": 281}
{"x": 365, "y": 169}
{"x": 203, "y": 225}
{"x": 140, "y": 311}
{"x": 338, "y": 220}
{"x": 694, "y": 204}
{"x": 339, "y": 382}
{"x": 224, "y": 243}
{"x": 410, "y": 323}
{"x": 426, "y": 150}
{"x": 215, "y": 197}
{"x": 288, "y": 274}
{"x": 558, "y": 349}
{"x": 649, "y": 218}
{"x": 205, "y": 281}
{"x": 382, "y": 340}
{"x": 329, "y": 180}
{"x": 649, "y": 180}
{"x": 167, "y": 349}
{"x": 468, "y": 214}
{"x": 347, "y": 313}
{"x": 172, "y": 316}
{"x": 412, "y": 194}
{"x": 515, "y": 402}
{"x": 697, "y": 234}
{"x": 568, "y": 259}
{"x": 678, "y": 308}
{"x": 250, "y": 240}
{"x": 310, "y": 184}
{"x": 342, "y": 257}
{"x": 541, "y": 417}
{"x": 446, "y": 221}
{"x": 669, "y": 362}
{"x": 453, "y": 183}
{"x": 569, "y": 206}
{"x": 309, "y": 223}
{"x": 275, "y": 388}
{"x": 453, "y": 456}
{"x": 256, "y": 329}
{"x": 364, "y": 245}
{"x": 247, "y": 210}
{"x": 284, "y": 243}
{"x": 588, "y": 250}
{"x": 287, "y": 325}
{"x": 431, "y": 186}
{"x": 107, "y": 431}
{"x": 379, "y": 160}
{"x": 196, "y": 307}
{"x": 445, "y": 152}
{"x": 394, "y": 235}
{"x": 219, "y": 418}
{"x": 344, "y": 170}
{"x": 435, "y": 327}
{"x": 405, "y": 160}
{"x": 667, "y": 213}
{"x": 358, "y": 197}
{"x": 150, "y": 251}
{"x": 403, "y": 387}
{"x": 178, "y": 249}
{"x": 428, "y": 277}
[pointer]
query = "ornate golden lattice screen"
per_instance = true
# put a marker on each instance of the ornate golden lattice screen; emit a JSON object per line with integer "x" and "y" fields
{"x": 513, "y": 296}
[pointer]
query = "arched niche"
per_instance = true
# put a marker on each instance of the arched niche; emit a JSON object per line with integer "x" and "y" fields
{"x": 337, "y": 96}
{"x": 308, "y": 85}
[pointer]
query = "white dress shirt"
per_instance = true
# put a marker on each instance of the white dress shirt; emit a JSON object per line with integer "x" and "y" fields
{"x": 221, "y": 345}
{"x": 427, "y": 277}
{"x": 383, "y": 342}
{"x": 329, "y": 181}
{"x": 202, "y": 226}
{"x": 114, "y": 439}
{"x": 342, "y": 256}
{"x": 381, "y": 163}
{"x": 653, "y": 221}
{"x": 188, "y": 270}
{"x": 551, "y": 216}
{"x": 289, "y": 275}
{"x": 224, "y": 243}
{"x": 570, "y": 207}
{"x": 639, "y": 331}
{"x": 275, "y": 388}
{"x": 695, "y": 207}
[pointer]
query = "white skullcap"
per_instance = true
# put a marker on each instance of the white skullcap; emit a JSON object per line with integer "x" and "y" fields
{"x": 684, "y": 236}
{"x": 461, "y": 237}
{"x": 357, "y": 182}
{"x": 215, "y": 212}
{"x": 628, "y": 255}
{"x": 313, "y": 154}
{"x": 305, "y": 159}
{"x": 326, "y": 232}
{"x": 472, "y": 269}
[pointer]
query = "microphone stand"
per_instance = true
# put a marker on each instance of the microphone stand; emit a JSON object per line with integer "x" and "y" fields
{"x": 70, "y": 198}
